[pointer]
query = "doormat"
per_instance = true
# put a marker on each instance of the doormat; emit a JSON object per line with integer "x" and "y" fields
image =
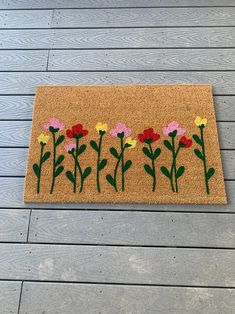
{"x": 124, "y": 144}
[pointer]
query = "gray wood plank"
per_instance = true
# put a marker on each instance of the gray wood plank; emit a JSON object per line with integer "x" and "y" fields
{"x": 21, "y": 107}
{"x": 23, "y": 60}
{"x": 202, "y": 267}
{"x": 13, "y": 225}
{"x": 117, "y": 38}
{"x": 10, "y": 138}
{"x": 144, "y": 17}
{"x": 142, "y": 59}
{"x": 9, "y": 296}
{"x": 13, "y": 162}
{"x": 11, "y": 196}
{"x": 132, "y": 228}
{"x": 25, "y": 83}
{"x": 54, "y": 298}
{"x": 25, "y": 19}
{"x": 38, "y": 4}
{"x": 29, "y": 39}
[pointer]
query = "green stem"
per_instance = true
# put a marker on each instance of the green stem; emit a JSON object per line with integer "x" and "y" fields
{"x": 98, "y": 163}
{"x": 40, "y": 167}
{"x": 122, "y": 159}
{"x": 79, "y": 168}
{"x": 54, "y": 160}
{"x": 153, "y": 167}
{"x": 75, "y": 168}
{"x": 116, "y": 168}
{"x": 204, "y": 161}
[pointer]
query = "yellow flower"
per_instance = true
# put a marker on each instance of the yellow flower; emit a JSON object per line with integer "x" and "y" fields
{"x": 42, "y": 138}
{"x": 131, "y": 142}
{"x": 101, "y": 127}
{"x": 199, "y": 121}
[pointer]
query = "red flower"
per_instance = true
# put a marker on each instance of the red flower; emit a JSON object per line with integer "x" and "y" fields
{"x": 185, "y": 142}
{"x": 148, "y": 136}
{"x": 77, "y": 131}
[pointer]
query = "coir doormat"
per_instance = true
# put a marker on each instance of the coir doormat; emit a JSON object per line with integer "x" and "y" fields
{"x": 129, "y": 144}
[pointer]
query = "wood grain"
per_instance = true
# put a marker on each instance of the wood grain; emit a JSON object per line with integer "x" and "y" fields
{"x": 10, "y": 138}
{"x": 117, "y": 38}
{"x": 25, "y": 83}
{"x": 13, "y": 225}
{"x": 202, "y": 267}
{"x": 91, "y": 299}
{"x": 141, "y": 60}
{"x": 132, "y": 228}
{"x": 38, "y": 4}
{"x": 9, "y": 296}
{"x": 23, "y": 60}
{"x": 144, "y": 17}
{"x": 11, "y": 196}
{"x": 21, "y": 107}
{"x": 13, "y": 162}
{"x": 25, "y": 18}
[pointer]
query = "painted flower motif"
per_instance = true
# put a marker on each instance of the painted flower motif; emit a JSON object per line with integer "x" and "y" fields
{"x": 200, "y": 121}
{"x": 70, "y": 146}
{"x": 131, "y": 143}
{"x": 42, "y": 138}
{"x": 54, "y": 125}
{"x": 121, "y": 130}
{"x": 101, "y": 127}
{"x": 185, "y": 142}
{"x": 77, "y": 131}
{"x": 148, "y": 136}
{"x": 173, "y": 126}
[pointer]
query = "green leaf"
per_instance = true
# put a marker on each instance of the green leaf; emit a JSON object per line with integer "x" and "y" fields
{"x": 147, "y": 152}
{"x": 59, "y": 170}
{"x": 168, "y": 145}
{"x": 86, "y": 172}
{"x": 110, "y": 180}
{"x": 210, "y": 173}
{"x": 156, "y": 153}
{"x": 59, "y": 160}
{"x": 36, "y": 170}
{"x": 102, "y": 164}
{"x": 149, "y": 170}
{"x": 198, "y": 154}
{"x": 166, "y": 172}
{"x": 197, "y": 139}
{"x": 45, "y": 156}
{"x": 127, "y": 165}
{"x": 69, "y": 175}
{"x": 114, "y": 152}
{"x": 81, "y": 149}
{"x": 180, "y": 171}
{"x": 94, "y": 146}
{"x": 59, "y": 140}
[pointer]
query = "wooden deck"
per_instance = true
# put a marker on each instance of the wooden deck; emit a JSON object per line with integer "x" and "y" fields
{"x": 114, "y": 259}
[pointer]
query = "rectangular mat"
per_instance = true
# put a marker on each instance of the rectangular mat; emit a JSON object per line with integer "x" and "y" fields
{"x": 124, "y": 144}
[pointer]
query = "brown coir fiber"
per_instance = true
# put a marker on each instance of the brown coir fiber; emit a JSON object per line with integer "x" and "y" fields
{"x": 150, "y": 169}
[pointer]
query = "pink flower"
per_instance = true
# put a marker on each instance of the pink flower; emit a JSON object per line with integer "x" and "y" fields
{"x": 68, "y": 147}
{"x": 55, "y": 124}
{"x": 173, "y": 126}
{"x": 120, "y": 129}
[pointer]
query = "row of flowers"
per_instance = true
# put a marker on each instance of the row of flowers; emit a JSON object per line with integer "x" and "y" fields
{"x": 75, "y": 148}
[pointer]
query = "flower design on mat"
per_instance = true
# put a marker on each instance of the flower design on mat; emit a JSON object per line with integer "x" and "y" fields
{"x": 173, "y": 130}
{"x": 101, "y": 163}
{"x": 37, "y": 168}
{"x": 120, "y": 131}
{"x": 75, "y": 150}
{"x": 201, "y": 154}
{"x": 148, "y": 136}
{"x": 54, "y": 126}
